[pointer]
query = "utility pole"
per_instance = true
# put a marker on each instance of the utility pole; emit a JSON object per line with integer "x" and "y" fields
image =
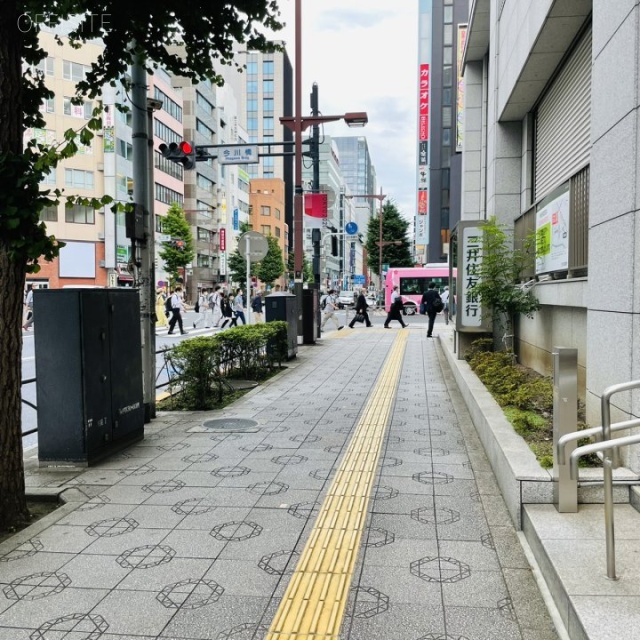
{"x": 315, "y": 188}
{"x": 144, "y": 262}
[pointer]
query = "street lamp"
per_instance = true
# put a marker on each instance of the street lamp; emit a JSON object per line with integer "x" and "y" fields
{"x": 298, "y": 124}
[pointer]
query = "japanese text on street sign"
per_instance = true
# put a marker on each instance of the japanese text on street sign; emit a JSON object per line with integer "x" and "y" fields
{"x": 246, "y": 154}
{"x": 469, "y": 306}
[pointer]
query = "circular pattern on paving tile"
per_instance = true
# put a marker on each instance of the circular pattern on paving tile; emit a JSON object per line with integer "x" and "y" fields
{"x": 432, "y": 477}
{"x": 145, "y": 557}
{"x": 178, "y": 446}
{"x": 25, "y": 550}
{"x": 302, "y": 439}
{"x": 194, "y": 506}
{"x": 323, "y": 474}
{"x": 320, "y": 422}
{"x": 163, "y": 486}
{"x": 236, "y": 531}
{"x": 196, "y": 458}
{"x": 303, "y": 510}
{"x": 295, "y": 414}
{"x": 96, "y": 502}
{"x": 439, "y": 569}
{"x": 426, "y": 431}
{"x": 369, "y": 602}
{"x": 344, "y": 430}
{"x": 279, "y": 563}
{"x": 381, "y": 492}
{"x": 440, "y": 515}
{"x": 390, "y": 461}
{"x": 487, "y": 541}
{"x": 506, "y": 609}
{"x": 291, "y": 459}
{"x": 436, "y": 453}
{"x": 190, "y": 594}
{"x": 394, "y": 440}
{"x": 111, "y": 527}
{"x": 268, "y": 488}
{"x": 245, "y": 631}
{"x": 137, "y": 471}
{"x": 475, "y": 496}
{"x": 378, "y": 537}
{"x": 221, "y": 437}
{"x": 279, "y": 429}
{"x": 256, "y": 448}
{"x": 336, "y": 448}
{"x": 37, "y": 586}
{"x": 81, "y": 626}
{"x": 233, "y": 471}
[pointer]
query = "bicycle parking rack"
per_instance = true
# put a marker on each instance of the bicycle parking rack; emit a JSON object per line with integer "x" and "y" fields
{"x": 607, "y": 448}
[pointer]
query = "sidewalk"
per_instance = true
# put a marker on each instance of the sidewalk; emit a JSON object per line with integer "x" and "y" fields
{"x": 261, "y": 526}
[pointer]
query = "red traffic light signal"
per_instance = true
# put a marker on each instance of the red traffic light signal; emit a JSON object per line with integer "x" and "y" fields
{"x": 183, "y": 153}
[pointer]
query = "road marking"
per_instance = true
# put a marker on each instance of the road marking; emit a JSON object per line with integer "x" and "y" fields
{"x": 314, "y": 602}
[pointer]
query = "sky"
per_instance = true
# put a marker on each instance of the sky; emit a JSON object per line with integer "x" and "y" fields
{"x": 363, "y": 55}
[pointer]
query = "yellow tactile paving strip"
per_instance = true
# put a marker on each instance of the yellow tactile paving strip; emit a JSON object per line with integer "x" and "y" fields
{"x": 314, "y": 602}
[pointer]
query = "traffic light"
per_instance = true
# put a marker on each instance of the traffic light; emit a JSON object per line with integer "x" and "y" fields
{"x": 183, "y": 153}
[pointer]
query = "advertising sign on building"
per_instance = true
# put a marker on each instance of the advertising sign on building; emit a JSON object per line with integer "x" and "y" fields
{"x": 423, "y": 104}
{"x": 421, "y": 230}
{"x": 315, "y": 210}
{"x": 423, "y": 153}
{"x": 223, "y": 240}
{"x": 109, "y": 140}
{"x": 552, "y": 235}
{"x": 462, "y": 39}
{"x": 422, "y": 177}
{"x": 223, "y": 263}
{"x": 236, "y": 220}
{"x": 423, "y": 202}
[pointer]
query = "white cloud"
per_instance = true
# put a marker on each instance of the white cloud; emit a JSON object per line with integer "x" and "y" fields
{"x": 363, "y": 55}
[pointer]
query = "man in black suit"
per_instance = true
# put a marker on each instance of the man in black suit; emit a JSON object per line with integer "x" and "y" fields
{"x": 428, "y": 298}
{"x": 361, "y": 308}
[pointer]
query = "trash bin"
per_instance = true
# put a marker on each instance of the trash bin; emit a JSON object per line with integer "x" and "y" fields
{"x": 283, "y": 306}
{"x": 88, "y": 373}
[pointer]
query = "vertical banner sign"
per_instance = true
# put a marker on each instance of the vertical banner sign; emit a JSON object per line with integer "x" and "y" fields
{"x": 223, "y": 240}
{"x": 223, "y": 263}
{"x": 462, "y": 39}
{"x": 236, "y": 220}
{"x": 424, "y": 102}
{"x": 422, "y": 228}
{"x": 469, "y": 261}
{"x": 552, "y": 235}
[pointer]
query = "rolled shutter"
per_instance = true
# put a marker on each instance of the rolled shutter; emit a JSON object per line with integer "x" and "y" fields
{"x": 563, "y": 122}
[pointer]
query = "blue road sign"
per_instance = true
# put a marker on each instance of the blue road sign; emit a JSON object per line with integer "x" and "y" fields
{"x": 358, "y": 279}
{"x": 351, "y": 228}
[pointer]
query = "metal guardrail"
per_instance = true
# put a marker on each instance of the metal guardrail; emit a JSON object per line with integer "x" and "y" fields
{"x": 158, "y": 386}
{"x": 608, "y": 447}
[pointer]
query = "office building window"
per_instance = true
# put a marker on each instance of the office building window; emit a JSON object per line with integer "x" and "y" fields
{"x": 268, "y": 161}
{"x": 158, "y": 223}
{"x": 165, "y": 133}
{"x": 267, "y": 124}
{"x": 252, "y": 86}
{"x": 77, "y": 110}
{"x": 445, "y": 177}
{"x": 203, "y": 129}
{"x": 448, "y": 15}
{"x": 79, "y": 214}
{"x": 74, "y": 71}
{"x": 252, "y": 68}
{"x": 445, "y": 198}
{"x": 446, "y": 97}
{"x": 124, "y": 149}
{"x": 446, "y": 116}
{"x": 204, "y": 261}
{"x": 267, "y": 105}
{"x": 48, "y": 105}
{"x": 267, "y": 87}
{"x": 204, "y": 104}
{"x": 447, "y": 76}
{"x": 252, "y": 124}
{"x": 266, "y": 229}
{"x": 168, "y": 105}
{"x": 49, "y": 214}
{"x": 78, "y": 178}
{"x": 448, "y": 35}
{"x": 447, "y": 55}
{"x": 252, "y": 105}
{"x": 267, "y": 67}
{"x": 278, "y": 214}
{"x": 446, "y": 137}
{"x": 170, "y": 168}
{"x": 278, "y": 232}
{"x": 46, "y": 66}
{"x": 205, "y": 183}
{"x": 265, "y": 211}
{"x": 50, "y": 178}
{"x": 166, "y": 195}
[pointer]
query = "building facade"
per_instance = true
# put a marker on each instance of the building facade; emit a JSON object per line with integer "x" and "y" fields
{"x": 546, "y": 148}
{"x": 441, "y": 35}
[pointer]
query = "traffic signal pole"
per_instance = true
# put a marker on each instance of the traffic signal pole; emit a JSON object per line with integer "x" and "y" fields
{"x": 315, "y": 188}
{"x": 144, "y": 269}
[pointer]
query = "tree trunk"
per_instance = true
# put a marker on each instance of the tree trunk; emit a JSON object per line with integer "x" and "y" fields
{"x": 13, "y": 506}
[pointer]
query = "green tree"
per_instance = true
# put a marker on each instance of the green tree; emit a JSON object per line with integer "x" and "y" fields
{"x": 271, "y": 267}
{"x": 175, "y": 225}
{"x": 394, "y": 228}
{"x": 500, "y": 295}
{"x": 238, "y": 264}
{"x": 208, "y": 37}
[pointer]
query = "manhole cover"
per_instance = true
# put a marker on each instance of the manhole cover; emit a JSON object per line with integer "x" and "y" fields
{"x": 231, "y": 425}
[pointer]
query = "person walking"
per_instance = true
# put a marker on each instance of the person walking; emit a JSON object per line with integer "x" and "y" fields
{"x": 395, "y": 310}
{"x": 204, "y": 312}
{"x": 238, "y": 308}
{"x": 227, "y": 312}
{"x": 429, "y": 298}
{"x": 28, "y": 305}
{"x": 177, "y": 307}
{"x": 329, "y": 306}
{"x": 161, "y": 315}
{"x": 256, "y": 306}
{"x": 214, "y": 306}
{"x": 445, "y": 301}
{"x": 361, "y": 308}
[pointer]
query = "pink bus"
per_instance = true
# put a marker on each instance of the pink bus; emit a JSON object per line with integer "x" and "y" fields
{"x": 414, "y": 281}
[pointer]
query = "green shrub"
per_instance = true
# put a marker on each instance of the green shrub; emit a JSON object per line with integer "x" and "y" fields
{"x": 478, "y": 346}
{"x": 202, "y": 365}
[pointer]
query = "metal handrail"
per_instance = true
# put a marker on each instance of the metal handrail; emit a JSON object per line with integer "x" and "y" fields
{"x": 608, "y": 448}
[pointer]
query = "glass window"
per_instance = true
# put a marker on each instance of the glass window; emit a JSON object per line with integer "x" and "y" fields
{"x": 266, "y": 229}
{"x": 267, "y": 124}
{"x": 168, "y": 105}
{"x": 446, "y": 137}
{"x": 267, "y": 67}
{"x": 252, "y": 86}
{"x": 447, "y": 55}
{"x": 74, "y": 71}
{"x": 447, "y": 76}
{"x": 252, "y": 124}
{"x": 267, "y": 174}
{"x": 50, "y": 178}
{"x": 278, "y": 214}
{"x": 278, "y": 232}
{"x": 267, "y": 87}
{"x": 268, "y": 161}
{"x": 48, "y": 105}
{"x": 448, "y": 15}
{"x": 445, "y": 198}
{"x": 252, "y": 105}
{"x": 445, "y": 177}
{"x": 204, "y": 104}
{"x": 446, "y": 97}
{"x": 203, "y": 234}
{"x": 204, "y": 261}
{"x": 448, "y": 34}
{"x": 265, "y": 211}
{"x": 446, "y": 116}
{"x": 46, "y": 66}
{"x": 49, "y": 214}
{"x": 267, "y": 105}
{"x": 79, "y": 214}
{"x": 78, "y": 178}
{"x": 252, "y": 68}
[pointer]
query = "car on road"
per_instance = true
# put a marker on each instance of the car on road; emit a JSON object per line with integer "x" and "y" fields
{"x": 346, "y": 299}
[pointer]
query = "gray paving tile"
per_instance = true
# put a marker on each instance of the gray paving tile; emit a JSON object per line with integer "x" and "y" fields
{"x": 118, "y": 544}
{"x": 403, "y": 526}
{"x": 41, "y": 561}
{"x": 528, "y": 605}
{"x": 65, "y": 538}
{"x": 197, "y": 543}
{"x": 242, "y": 578}
{"x": 479, "y": 623}
{"x": 508, "y": 548}
{"x": 399, "y": 553}
{"x": 400, "y": 622}
{"x": 208, "y": 520}
{"x": 477, "y": 555}
{"x": 15, "y": 634}
{"x": 134, "y": 612}
{"x": 156, "y": 516}
{"x": 95, "y": 572}
{"x": 482, "y": 588}
{"x": 155, "y": 578}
